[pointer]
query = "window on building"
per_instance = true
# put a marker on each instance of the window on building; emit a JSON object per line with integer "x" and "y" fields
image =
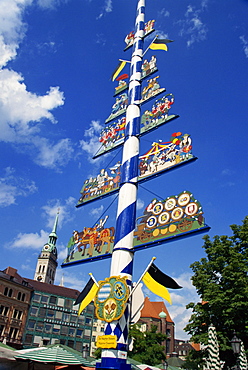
{"x": 53, "y": 300}
{"x": 64, "y": 330}
{"x": 90, "y": 308}
{"x": 56, "y": 329}
{"x": 71, "y": 332}
{"x": 23, "y": 297}
{"x": 68, "y": 304}
{"x": 94, "y": 328}
{"x": 19, "y": 295}
{"x": 42, "y": 312}
{"x": 70, "y": 343}
{"x": 102, "y": 329}
{"x": 17, "y": 314}
{"x": 31, "y": 324}
{"x": 44, "y": 299}
{"x": 13, "y": 333}
{"x": 36, "y": 297}
{"x": 79, "y": 346}
{"x": 58, "y": 315}
{"x": 4, "y": 310}
{"x": 50, "y": 314}
{"x": 45, "y": 342}
{"x": 8, "y": 292}
{"x": 62, "y": 341}
{"x": 28, "y": 339}
{"x": 1, "y": 330}
{"x": 81, "y": 320}
{"x": 39, "y": 326}
{"x": 66, "y": 317}
{"x": 48, "y": 328}
{"x": 73, "y": 318}
{"x": 33, "y": 311}
{"x": 168, "y": 332}
{"x": 79, "y": 333}
{"x": 93, "y": 338}
{"x": 88, "y": 320}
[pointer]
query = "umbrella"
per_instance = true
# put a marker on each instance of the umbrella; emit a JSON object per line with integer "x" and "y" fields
{"x": 56, "y": 353}
{"x": 242, "y": 358}
{"x": 213, "y": 349}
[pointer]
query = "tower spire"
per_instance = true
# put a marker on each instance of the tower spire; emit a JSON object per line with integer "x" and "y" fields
{"x": 53, "y": 235}
{"x": 47, "y": 260}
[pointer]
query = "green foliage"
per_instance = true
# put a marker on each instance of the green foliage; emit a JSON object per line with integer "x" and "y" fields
{"x": 147, "y": 346}
{"x": 222, "y": 283}
{"x": 97, "y": 354}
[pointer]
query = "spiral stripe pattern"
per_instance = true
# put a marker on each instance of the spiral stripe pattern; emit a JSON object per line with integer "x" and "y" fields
{"x": 122, "y": 256}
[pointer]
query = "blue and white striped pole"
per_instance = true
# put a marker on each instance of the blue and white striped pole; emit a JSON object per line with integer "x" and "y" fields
{"x": 122, "y": 258}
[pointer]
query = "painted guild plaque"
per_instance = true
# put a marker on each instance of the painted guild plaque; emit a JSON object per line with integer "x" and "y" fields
{"x": 105, "y": 183}
{"x": 90, "y": 243}
{"x": 170, "y": 218}
{"x": 112, "y": 136}
{"x": 151, "y": 90}
{"x": 163, "y": 155}
{"x": 147, "y": 68}
{"x": 176, "y": 216}
{"x": 119, "y": 107}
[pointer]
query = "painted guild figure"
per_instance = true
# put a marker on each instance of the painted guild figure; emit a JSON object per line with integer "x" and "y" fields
{"x": 101, "y": 184}
{"x": 92, "y": 239}
{"x": 151, "y": 89}
{"x": 149, "y": 67}
{"x": 159, "y": 111}
{"x": 121, "y": 86}
{"x": 120, "y": 103}
{"x": 129, "y": 38}
{"x": 111, "y": 134}
{"x": 149, "y": 26}
{"x": 164, "y": 155}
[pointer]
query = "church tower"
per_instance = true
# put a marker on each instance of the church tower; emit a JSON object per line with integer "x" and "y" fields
{"x": 47, "y": 260}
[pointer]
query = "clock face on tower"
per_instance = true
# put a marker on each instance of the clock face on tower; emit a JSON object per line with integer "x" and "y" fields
{"x": 39, "y": 278}
{"x": 46, "y": 247}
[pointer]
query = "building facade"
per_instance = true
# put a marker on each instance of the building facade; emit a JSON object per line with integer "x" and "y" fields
{"x": 156, "y": 313}
{"x": 15, "y": 296}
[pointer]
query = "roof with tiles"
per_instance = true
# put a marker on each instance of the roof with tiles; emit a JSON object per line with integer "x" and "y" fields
{"x": 153, "y": 309}
{"x": 11, "y": 274}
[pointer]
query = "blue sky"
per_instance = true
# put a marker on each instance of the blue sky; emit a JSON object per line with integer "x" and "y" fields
{"x": 56, "y": 59}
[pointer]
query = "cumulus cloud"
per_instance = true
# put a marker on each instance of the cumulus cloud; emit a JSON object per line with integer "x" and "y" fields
{"x": 65, "y": 209}
{"x": 192, "y": 27}
{"x": 244, "y": 43}
{"x": 21, "y": 111}
{"x": 29, "y": 240}
{"x": 13, "y": 186}
{"x": 91, "y": 144}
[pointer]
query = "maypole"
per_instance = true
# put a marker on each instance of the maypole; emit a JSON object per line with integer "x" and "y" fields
{"x": 122, "y": 257}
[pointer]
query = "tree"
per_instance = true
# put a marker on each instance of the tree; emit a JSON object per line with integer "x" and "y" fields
{"x": 222, "y": 283}
{"x": 147, "y": 346}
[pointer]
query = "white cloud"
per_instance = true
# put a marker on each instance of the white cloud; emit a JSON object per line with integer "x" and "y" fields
{"x": 22, "y": 111}
{"x": 70, "y": 280}
{"x": 140, "y": 204}
{"x": 65, "y": 209}
{"x": 192, "y": 26}
{"x": 53, "y": 155}
{"x": 244, "y": 43}
{"x": 165, "y": 12}
{"x": 13, "y": 186}
{"x": 29, "y": 240}
{"x": 91, "y": 144}
{"x": 97, "y": 211}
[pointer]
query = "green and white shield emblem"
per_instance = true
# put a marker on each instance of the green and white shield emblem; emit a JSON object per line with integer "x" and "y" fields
{"x": 111, "y": 297}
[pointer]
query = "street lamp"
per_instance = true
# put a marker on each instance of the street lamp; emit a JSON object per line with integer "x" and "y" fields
{"x": 236, "y": 346}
